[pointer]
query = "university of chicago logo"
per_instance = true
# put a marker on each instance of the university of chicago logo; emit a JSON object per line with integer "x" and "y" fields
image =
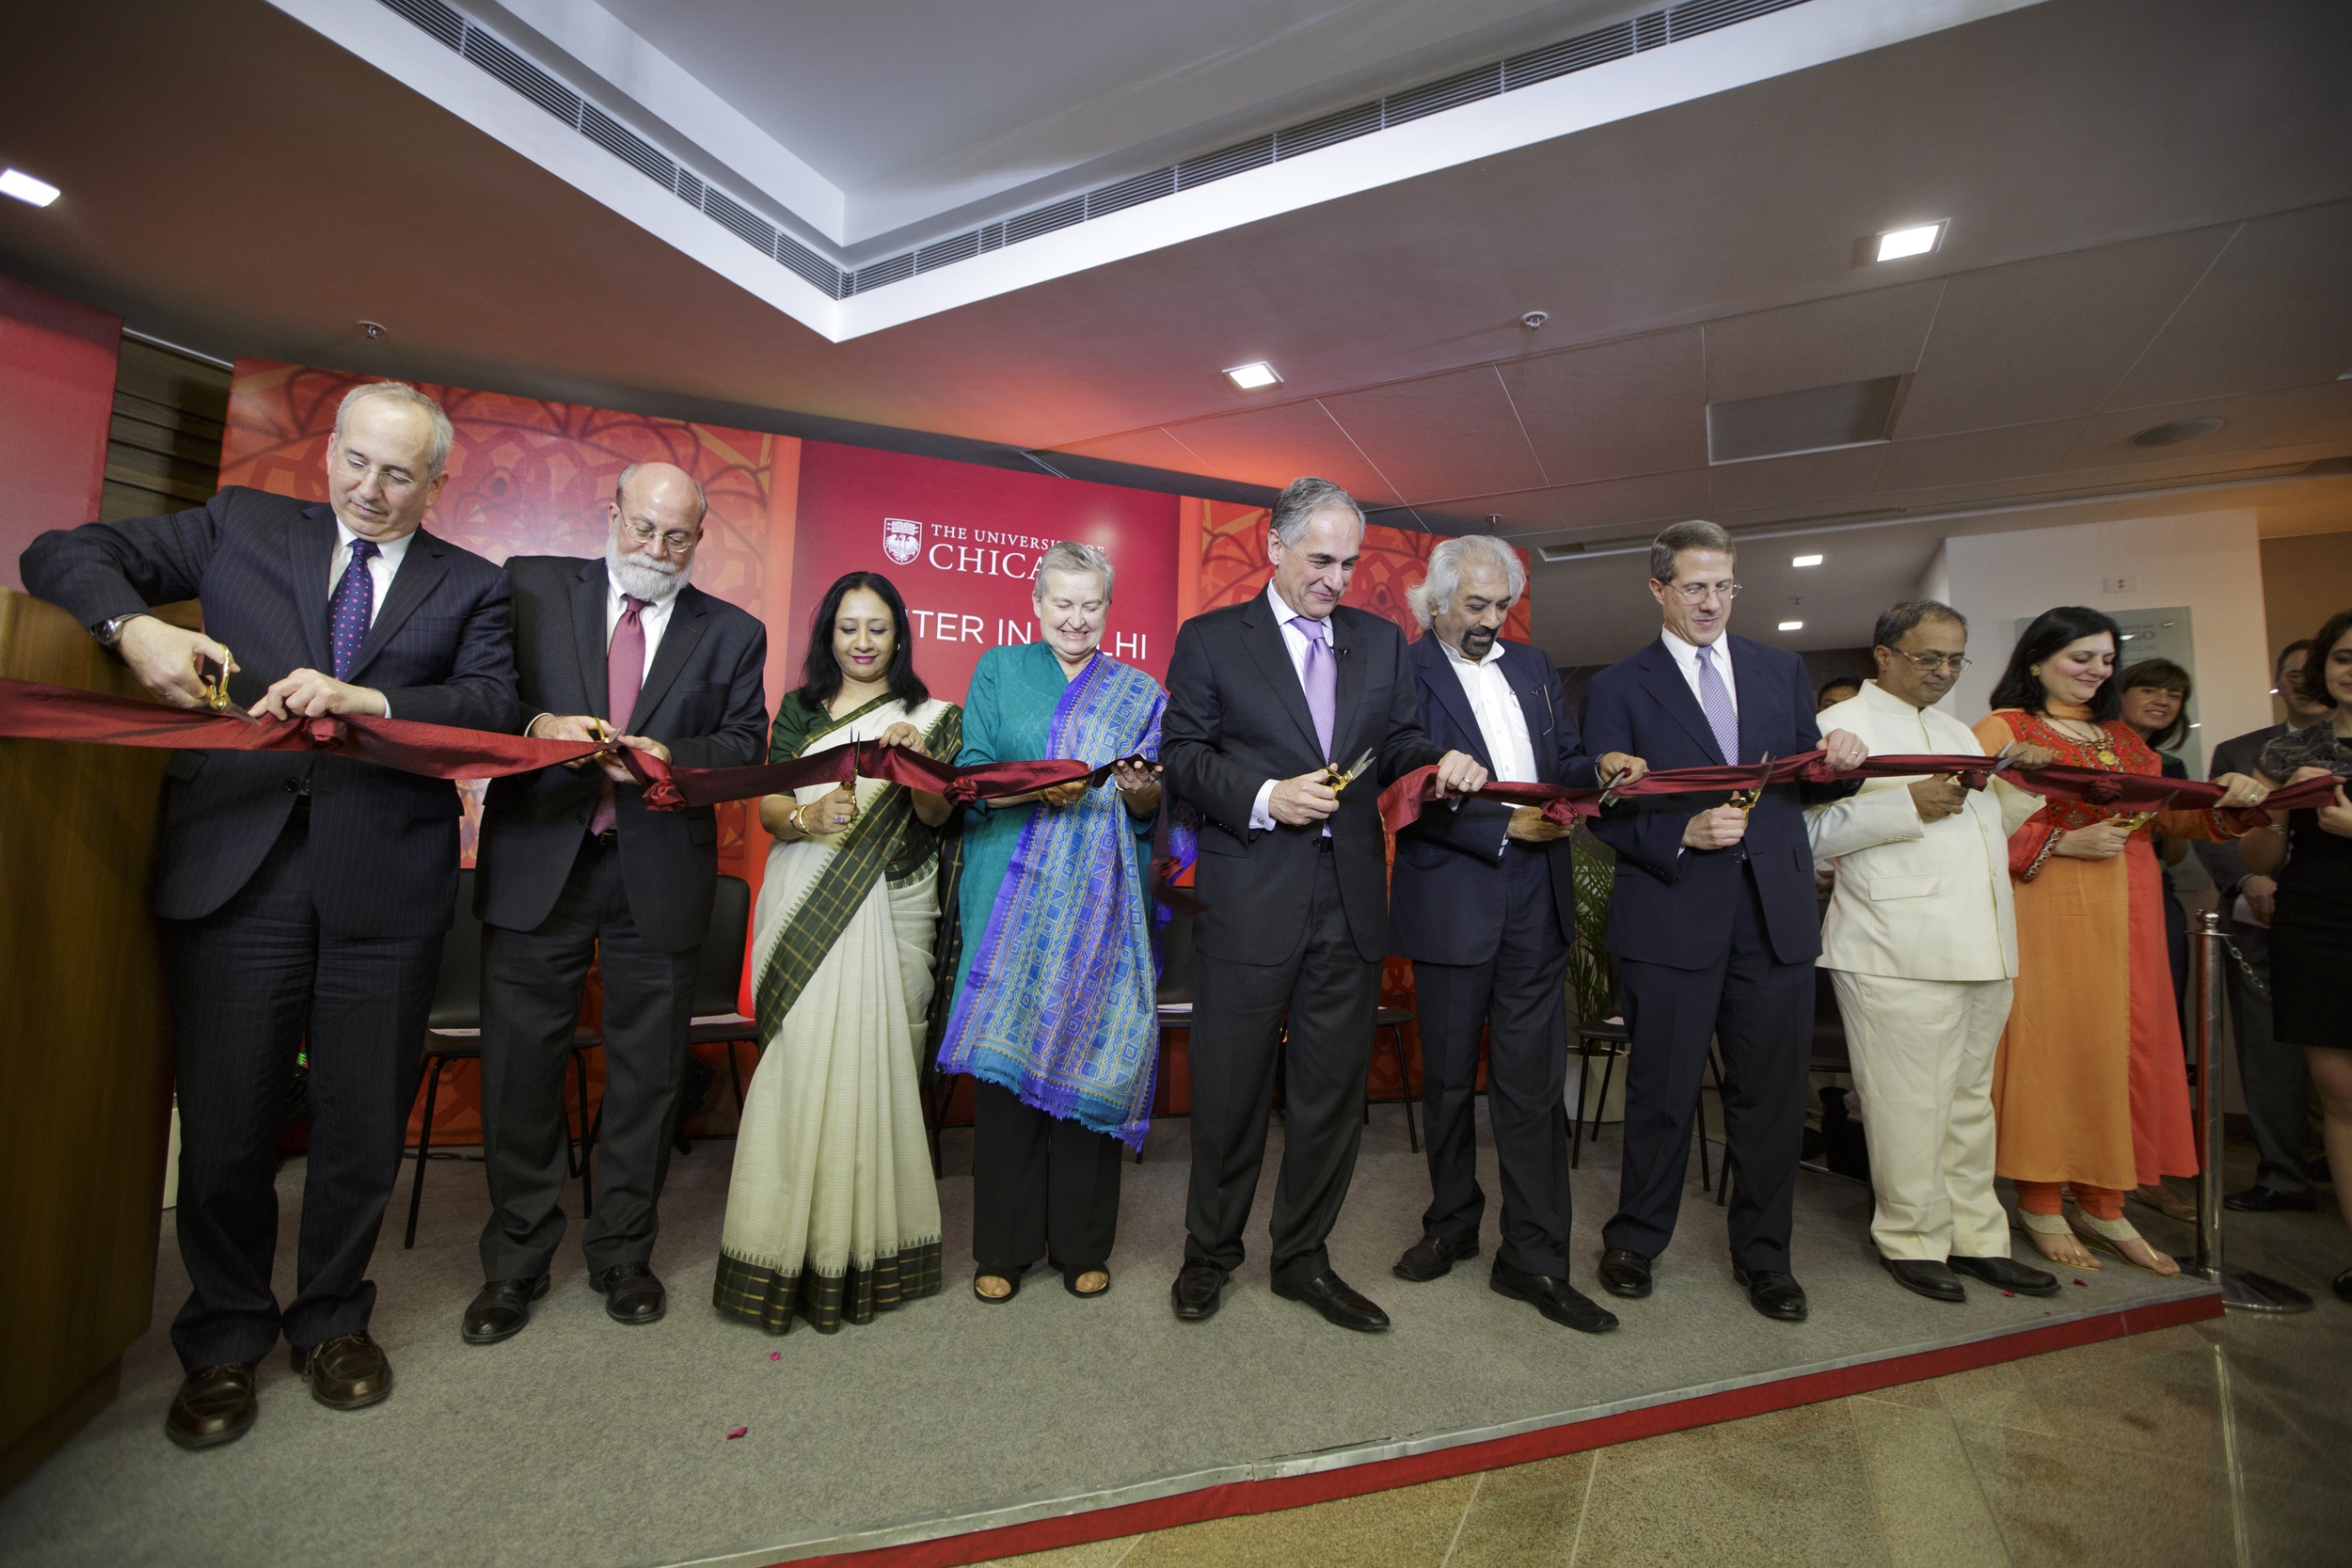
{"x": 903, "y": 539}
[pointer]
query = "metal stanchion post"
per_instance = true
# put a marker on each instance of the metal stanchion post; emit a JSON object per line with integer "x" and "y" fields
{"x": 2243, "y": 1291}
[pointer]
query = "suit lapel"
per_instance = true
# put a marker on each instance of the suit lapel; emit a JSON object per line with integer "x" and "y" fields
{"x": 1663, "y": 677}
{"x": 1758, "y": 700}
{"x": 1435, "y": 672}
{"x": 422, "y": 570}
{"x": 311, "y": 547}
{"x": 1345, "y": 721}
{"x": 588, "y": 594}
{"x": 1263, "y": 639}
{"x": 1527, "y": 684}
{"x": 688, "y": 621}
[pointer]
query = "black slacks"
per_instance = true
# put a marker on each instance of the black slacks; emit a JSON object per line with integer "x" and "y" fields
{"x": 2276, "y": 1079}
{"x": 1330, "y": 993}
{"x": 1517, "y": 995}
{"x": 1040, "y": 1185}
{"x": 530, "y": 990}
{"x": 1761, "y": 1011}
{"x": 251, "y": 983}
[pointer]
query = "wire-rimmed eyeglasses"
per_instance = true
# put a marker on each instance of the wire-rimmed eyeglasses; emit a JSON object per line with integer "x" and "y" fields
{"x": 1929, "y": 664}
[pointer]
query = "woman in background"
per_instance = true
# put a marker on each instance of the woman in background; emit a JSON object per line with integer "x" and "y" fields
{"x": 2155, "y": 706}
{"x": 2311, "y": 934}
{"x": 2088, "y": 1089}
{"x": 1054, "y": 1016}
{"x": 833, "y": 1213}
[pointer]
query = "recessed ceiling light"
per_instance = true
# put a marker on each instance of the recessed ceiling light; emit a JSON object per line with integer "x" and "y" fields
{"x": 1806, "y": 560}
{"x": 1253, "y": 375}
{"x": 1792, "y": 626}
{"x": 1896, "y": 243}
{"x": 2173, "y": 432}
{"x": 23, "y": 187}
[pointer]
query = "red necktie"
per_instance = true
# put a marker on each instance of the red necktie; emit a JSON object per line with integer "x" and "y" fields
{"x": 624, "y": 676}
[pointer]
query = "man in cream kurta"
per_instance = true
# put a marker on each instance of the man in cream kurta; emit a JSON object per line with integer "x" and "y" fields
{"x": 1921, "y": 941}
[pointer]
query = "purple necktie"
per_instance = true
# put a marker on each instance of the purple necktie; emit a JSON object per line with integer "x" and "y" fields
{"x": 1715, "y": 697}
{"x": 352, "y": 607}
{"x": 1322, "y": 678}
{"x": 624, "y": 677}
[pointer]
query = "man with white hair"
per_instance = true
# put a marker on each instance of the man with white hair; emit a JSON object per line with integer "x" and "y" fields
{"x": 573, "y": 869}
{"x": 301, "y": 898}
{"x": 1482, "y": 900}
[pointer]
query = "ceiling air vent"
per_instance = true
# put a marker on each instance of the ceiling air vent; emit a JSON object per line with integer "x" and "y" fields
{"x": 1598, "y": 47}
{"x": 891, "y": 271}
{"x": 1650, "y": 31}
{"x": 740, "y": 219}
{"x": 1704, "y": 16}
{"x": 440, "y": 21}
{"x": 1127, "y": 193}
{"x": 1045, "y": 220}
{"x": 689, "y": 187}
{"x": 1819, "y": 419}
{"x": 812, "y": 268}
{"x": 1347, "y": 124}
{"x": 627, "y": 146}
{"x": 1466, "y": 86}
{"x": 1232, "y": 160}
{"x": 961, "y": 248}
{"x": 524, "y": 77}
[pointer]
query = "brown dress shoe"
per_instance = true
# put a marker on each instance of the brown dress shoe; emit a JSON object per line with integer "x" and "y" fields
{"x": 346, "y": 1372}
{"x": 214, "y": 1405}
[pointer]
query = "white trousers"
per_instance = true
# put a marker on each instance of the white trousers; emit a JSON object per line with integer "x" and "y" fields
{"x": 1922, "y": 1055}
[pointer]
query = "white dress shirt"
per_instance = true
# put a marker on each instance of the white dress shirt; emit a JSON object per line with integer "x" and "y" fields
{"x": 1261, "y": 809}
{"x": 1686, "y": 661}
{"x": 382, "y": 566}
{"x": 1501, "y": 721}
{"x": 654, "y": 618}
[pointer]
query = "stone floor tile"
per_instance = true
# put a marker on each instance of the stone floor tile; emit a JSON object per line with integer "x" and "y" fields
{"x": 1526, "y": 1515}
{"x": 1408, "y": 1528}
{"x": 1928, "y": 1500}
{"x": 1800, "y": 1499}
{"x": 2066, "y": 1504}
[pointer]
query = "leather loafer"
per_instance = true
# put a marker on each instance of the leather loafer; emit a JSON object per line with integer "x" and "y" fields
{"x": 1433, "y": 1257}
{"x": 1556, "y": 1299}
{"x": 214, "y": 1405}
{"x": 1775, "y": 1294}
{"x": 2259, "y": 1199}
{"x": 632, "y": 1294}
{"x": 500, "y": 1309}
{"x": 1337, "y": 1300}
{"x": 1625, "y": 1273}
{"x": 1924, "y": 1277}
{"x": 1198, "y": 1288}
{"x": 347, "y": 1372}
{"x": 2005, "y": 1274}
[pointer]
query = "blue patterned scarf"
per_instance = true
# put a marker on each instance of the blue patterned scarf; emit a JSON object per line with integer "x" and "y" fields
{"x": 1059, "y": 1005}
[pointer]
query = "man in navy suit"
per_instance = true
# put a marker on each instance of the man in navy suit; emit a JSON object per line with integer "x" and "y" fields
{"x": 302, "y": 899}
{"x": 1713, "y": 918}
{"x": 574, "y": 869}
{"x": 1482, "y": 900}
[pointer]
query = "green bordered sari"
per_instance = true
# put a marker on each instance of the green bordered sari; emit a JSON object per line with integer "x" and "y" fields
{"x": 832, "y": 1214}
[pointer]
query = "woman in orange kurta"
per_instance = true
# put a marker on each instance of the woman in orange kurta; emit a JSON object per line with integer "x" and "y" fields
{"x": 2087, "y": 1090}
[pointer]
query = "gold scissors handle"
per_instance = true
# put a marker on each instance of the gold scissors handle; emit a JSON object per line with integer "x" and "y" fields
{"x": 216, "y": 689}
{"x": 1355, "y": 771}
{"x": 1746, "y": 799}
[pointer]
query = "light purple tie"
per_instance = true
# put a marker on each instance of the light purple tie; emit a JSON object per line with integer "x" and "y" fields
{"x": 1322, "y": 679}
{"x": 1715, "y": 697}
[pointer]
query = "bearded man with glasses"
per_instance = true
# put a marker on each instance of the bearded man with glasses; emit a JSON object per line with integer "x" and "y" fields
{"x": 1921, "y": 944}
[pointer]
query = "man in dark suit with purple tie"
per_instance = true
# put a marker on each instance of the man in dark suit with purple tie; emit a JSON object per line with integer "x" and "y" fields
{"x": 302, "y": 899}
{"x": 1714, "y": 917}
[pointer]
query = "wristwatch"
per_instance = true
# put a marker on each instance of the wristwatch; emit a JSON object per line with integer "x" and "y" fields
{"x": 109, "y": 632}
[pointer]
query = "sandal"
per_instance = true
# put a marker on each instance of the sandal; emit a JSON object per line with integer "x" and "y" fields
{"x": 1070, "y": 1283}
{"x": 2165, "y": 1201}
{"x": 2116, "y": 1236}
{"x": 1011, "y": 1280}
{"x": 2046, "y": 1231}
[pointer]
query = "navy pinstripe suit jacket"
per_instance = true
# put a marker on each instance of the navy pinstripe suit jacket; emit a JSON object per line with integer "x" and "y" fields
{"x": 383, "y": 843}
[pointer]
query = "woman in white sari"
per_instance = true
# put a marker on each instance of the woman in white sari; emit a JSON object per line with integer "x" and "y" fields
{"x": 832, "y": 1214}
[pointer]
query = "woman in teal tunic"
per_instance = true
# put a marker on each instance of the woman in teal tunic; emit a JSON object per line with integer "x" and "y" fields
{"x": 1054, "y": 1014}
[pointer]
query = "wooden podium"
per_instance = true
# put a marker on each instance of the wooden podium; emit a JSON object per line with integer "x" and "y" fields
{"x": 85, "y": 1050}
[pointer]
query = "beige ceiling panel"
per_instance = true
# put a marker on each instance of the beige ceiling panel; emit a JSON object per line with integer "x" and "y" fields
{"x": 1273, "y": 446}
{"x": 1851, "y": 337}
{"x": 2047, "y": 339}
{"x": 1800, "y": 480}
{"x": 2297, "y": 416}
{"x": 1630, "y": 407}
{"x": 2275, "y": 311}
{"x": 1644, "y": 503}
{"x": 1152, "y": 446}
{"x": 1442, "y": 437}
{"x": 1977, "y": 455}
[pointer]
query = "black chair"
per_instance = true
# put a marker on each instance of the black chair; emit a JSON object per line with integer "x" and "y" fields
{"x": 1394, "y": 1020}
{"x": 454, "y": 1033}
{"x": 1611, "y": 1040}
{"x": 1175, "y": 997}
{"x": 719, "y": 980}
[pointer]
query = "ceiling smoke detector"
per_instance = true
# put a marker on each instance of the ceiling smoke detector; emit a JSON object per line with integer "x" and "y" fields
{"x": 373, "y": 330}
{"x": 1534, "y": 319}
{"x": 2175, "y": 431}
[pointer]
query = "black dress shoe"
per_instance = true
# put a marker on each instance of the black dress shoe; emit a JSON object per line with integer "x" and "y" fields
{"x": 1625, "y": 1273}
{"x": 2006, "y": 1274}
{"x": 1197, "y": 1289}
{"x": 1775, "y": 1294}
{"x": 1556, "y": 1299}
{"x": 1433, "y": 1257}
{"x": 2259, "y": 1199}
{"x": 2343, "y": 1285}
{"x": 500, "y": 1308}
{"x": 632, "y": 1294}
{"x": 1337, "y": 1300}
{"x": 214, "y": 1405}
{"x": 347, "y": 1372}
{"x": 1924, "y": 1277}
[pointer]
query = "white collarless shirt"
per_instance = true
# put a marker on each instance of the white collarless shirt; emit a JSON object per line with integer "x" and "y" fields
{"x": 1501, "y": 721}
{"x": 1261, "y": 809}
{"x": 1686, "y": 656}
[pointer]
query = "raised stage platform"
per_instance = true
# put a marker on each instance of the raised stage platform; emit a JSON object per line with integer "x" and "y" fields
{"x": 950, "y": 1432}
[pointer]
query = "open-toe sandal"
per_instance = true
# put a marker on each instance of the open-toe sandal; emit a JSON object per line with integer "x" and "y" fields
{"x": 2038, "y": 1225}
{"x": 2113, "y": 1236}
{"x": 1070, "y": 1283}
{"x": 987, "y": 1300}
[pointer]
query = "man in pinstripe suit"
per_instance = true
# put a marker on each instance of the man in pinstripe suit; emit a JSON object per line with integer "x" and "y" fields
{"x": 302, "y": 900}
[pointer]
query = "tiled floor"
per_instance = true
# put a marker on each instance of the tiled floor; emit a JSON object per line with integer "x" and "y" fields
{"x": 2227, "y": 1442}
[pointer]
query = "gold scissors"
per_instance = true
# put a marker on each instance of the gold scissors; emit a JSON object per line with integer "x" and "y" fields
{"x": 1746, "y": 799}
{"x": 1339, "y": 781}
{"x": 216, "y": 689}
{"x": 1609, "y": 785}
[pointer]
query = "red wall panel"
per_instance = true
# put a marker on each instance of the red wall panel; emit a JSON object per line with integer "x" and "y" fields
{"x": 56, "y": 394}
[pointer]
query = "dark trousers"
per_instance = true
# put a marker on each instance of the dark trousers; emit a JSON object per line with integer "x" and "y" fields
{"x": 1518, "y": 997}
{"x": 2275, "y": 1077}
{"x": 251, "y": 983}
{"x": 1041, "y": 1185}
{"x": 1330, "y": 993}
{"x": 530, "y": 990}
{"x": 1761, "y": 1012}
